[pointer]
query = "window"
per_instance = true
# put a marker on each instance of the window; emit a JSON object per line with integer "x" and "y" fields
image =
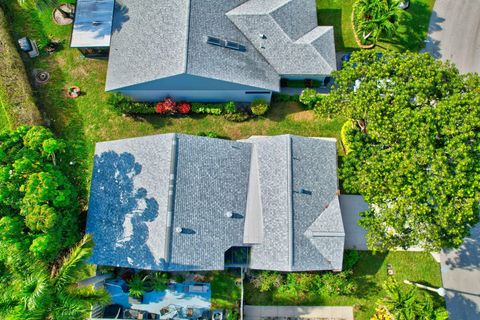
{"x": 257, "y": 92}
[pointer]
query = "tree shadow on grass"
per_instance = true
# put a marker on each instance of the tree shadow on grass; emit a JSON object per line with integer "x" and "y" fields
{"x": 333, "y": 17}
{"x": 414, "y": 27}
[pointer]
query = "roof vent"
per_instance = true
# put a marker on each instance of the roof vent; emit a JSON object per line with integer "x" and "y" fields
{"x": 304, "y": 191}
{"x": 178, "y": 229}
{"x": 229, "y": 214}
{"x": 262, "y": 36}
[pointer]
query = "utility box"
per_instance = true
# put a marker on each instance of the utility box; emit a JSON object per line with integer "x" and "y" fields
{"x": 29, "y": 46}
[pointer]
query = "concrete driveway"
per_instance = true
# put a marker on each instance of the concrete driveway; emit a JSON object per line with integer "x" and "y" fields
{"x": 454, "y": 33}
{"x": 461, "y": 278}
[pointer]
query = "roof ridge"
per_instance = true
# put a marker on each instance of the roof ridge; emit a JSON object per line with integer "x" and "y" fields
{"x": 171, "y": 200}
{"x": 291, "y": 237}
{"x": 187, "y": 39}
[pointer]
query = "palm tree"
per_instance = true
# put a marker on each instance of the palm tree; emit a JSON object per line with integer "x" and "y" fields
{"x": 401, "y": 304}
{"x": 375, "y": 18}
{"x": 54, "y": 296}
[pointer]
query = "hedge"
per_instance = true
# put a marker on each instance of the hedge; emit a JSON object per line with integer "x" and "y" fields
{"x": 16, "y": 96}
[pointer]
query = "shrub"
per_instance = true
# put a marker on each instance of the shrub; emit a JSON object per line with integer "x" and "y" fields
{"x": 15, "y": 91}
{"x": 137, "y": 286}
{"x": 281, "y": 97}
{"x": 259, "y": 107}
{"x": 267, "y": 280}
{"x": 335, "y": 283}
{"x": 350, "y": 259}
{"x": 230, "y": 107}
{"x": 210, "y": 134}
{"x": 126, "y": 105}
{"x": 167, "y": 106}
{"x": 184, "y": 108}
{"x": 179, "y": 278}
{"x": 207, "y": 108}
{"x": 309, "y": 98}
{"x": 236, "y": 117}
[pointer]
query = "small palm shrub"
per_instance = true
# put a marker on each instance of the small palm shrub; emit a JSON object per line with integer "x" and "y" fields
{"x": 137, "y": 286}
{"x": 267, "y": 280}
{"x": 158, "y": 281}
{"x": 230, "y": 107}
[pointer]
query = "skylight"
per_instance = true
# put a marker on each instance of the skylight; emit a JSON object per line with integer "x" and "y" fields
{"x": 226, "y": 44}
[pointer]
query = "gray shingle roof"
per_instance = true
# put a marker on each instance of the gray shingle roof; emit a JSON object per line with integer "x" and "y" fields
{"x": 178, "y": 202}
{"x": 159, "y": 39}
{"x": 292, "y": 48}
{"x": 301, "y": 215}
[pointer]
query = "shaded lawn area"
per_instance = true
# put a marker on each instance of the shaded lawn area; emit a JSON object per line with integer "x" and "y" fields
{"x": 413, "y": 30}
{"x": 225, "y": 292}
{"x": 369, "y": 274}
{"x": 88, "y": 119}
{"x": 4, "y": 120}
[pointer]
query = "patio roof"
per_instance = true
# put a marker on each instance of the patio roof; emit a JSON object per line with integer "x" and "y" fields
{"x": 92, "y": 26}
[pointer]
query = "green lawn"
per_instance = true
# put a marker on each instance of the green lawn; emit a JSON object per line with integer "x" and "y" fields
{"x": 412, "y": 32}
{"x": 225, "y": 292}
{"x": 369, "y": 274}
{"x": 4, "y": 119}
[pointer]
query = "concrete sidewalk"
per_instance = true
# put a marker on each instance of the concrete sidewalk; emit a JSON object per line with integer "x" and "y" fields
{"x": 454, "y": 33}
{"x": 284, "y": 312}
{"x": 461, "y": 278}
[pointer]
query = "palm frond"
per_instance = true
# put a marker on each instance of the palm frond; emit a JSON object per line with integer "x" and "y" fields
{"x": 73, "y": 262}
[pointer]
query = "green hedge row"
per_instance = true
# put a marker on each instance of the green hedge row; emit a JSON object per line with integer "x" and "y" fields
{"x": 16, "y": 97}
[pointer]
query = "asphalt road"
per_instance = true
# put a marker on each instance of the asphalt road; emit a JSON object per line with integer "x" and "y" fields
{"x": 461, "y": 278}
{"x": 454, "y": 33}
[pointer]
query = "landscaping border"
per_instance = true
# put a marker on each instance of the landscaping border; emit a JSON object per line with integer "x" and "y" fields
{"x": 15, "y": 90}
{"x": 357, "y": 40}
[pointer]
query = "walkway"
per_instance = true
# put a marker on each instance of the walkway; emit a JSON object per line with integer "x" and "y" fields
{"x": 355, "y": 235}
{"x": 461, "y": 278}
{"x": 286, "y": 312}
{"x": 454, "y": 33}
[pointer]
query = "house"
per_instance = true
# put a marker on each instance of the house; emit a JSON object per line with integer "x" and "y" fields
{"x": 205, "y": 51}
{"x": 175, "y": 202}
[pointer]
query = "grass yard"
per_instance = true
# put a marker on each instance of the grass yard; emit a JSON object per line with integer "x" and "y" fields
{"x": 412, "y": 32}
{"x": 369, "y": 274}
{"x": 225, "y": 292}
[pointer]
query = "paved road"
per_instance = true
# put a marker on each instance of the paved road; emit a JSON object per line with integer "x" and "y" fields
{"x": 454, "y": 33}
{"x": 461, "y": 278}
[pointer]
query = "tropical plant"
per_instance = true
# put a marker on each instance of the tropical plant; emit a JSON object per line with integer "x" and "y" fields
{"x": 137, "y": 285}
{"x": 230, "y": 107}
{"x": 375, "y": 18}
{"x": 405, "y": 304}
{"x": 36, "y": 197}
{"x": 158, "y": 281}
{"x": 412, "y": 147}
{"x": 184, "y": 107}
{"x": 35, "y": 293}
{"x": 167, "y": 106}
{"x": 309, "y": 97}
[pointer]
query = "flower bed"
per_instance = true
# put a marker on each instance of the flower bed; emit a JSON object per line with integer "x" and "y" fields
{"x": 169, "y": 107}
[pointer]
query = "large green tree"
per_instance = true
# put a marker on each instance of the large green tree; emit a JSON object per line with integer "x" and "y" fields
{"x": 38, "y": 204}
{"x": 414, "y": 146}
{"x": 30, "y": 290}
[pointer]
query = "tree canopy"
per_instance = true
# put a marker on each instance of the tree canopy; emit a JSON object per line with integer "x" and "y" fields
{"x": 414, "y": 147}
{"x": 38, "y": 204}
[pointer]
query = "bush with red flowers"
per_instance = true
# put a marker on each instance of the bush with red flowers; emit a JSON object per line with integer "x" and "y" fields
{"x": 167, "y": 106}
{"x": 184, "y": 108}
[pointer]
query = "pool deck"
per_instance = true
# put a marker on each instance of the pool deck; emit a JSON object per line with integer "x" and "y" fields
{"x": 177, "y": 296}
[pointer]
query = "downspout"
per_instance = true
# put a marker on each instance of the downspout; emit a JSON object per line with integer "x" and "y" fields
{"x": 171, "y": 202}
